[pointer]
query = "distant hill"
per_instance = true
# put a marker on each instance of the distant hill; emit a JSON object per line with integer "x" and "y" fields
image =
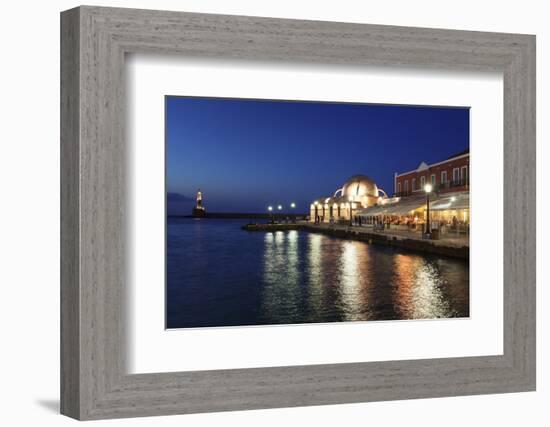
{"x": 179, "y": 204}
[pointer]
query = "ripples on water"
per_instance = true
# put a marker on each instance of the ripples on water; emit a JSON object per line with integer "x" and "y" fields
{"x": 220, "y": 275}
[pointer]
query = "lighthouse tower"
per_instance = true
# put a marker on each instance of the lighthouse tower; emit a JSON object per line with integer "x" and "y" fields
{"x": 199, "y": 210}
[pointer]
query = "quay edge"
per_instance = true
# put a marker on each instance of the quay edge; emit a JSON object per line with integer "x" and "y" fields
{"x": 381, "y": 238}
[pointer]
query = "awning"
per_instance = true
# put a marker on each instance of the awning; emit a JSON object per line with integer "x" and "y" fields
{"x": 461, "y": 201}
{"x": 406, "y": 205}
{"x": 402, "y": 206}
{"x": 373, "y": 211}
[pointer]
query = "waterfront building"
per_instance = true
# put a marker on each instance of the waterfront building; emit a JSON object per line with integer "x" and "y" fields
{"x": 448, "y": 175}
{"x": 358, "y": 192}
{"x": 360, "y": 202}
{"x": 407, "y": 209}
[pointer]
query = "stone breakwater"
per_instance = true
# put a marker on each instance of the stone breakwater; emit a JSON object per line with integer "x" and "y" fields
{"x": 456, "y": 248}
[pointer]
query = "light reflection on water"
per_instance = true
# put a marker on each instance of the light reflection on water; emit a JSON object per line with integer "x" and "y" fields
{"x": 297, "y": 277}
{"x": 281, "y": 277}
{"x": 418, "y": 289}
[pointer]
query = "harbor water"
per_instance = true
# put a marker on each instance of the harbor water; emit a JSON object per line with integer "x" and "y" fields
{"x": 220, "y": 275}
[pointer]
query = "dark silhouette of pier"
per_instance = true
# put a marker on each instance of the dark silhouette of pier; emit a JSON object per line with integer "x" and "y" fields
{"x": 243, "y": 215}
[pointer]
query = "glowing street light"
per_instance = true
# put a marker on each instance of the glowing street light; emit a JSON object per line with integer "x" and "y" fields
{"x": 279, "y": 207}
{"x": 270, "y": 209}
{"x": 292, "y": 206}
{"x": 428, "y": 190}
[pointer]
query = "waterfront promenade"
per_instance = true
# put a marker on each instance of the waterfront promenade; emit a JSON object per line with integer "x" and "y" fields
{"x": 449, "y": 244}
{"x": 447, "y": 239}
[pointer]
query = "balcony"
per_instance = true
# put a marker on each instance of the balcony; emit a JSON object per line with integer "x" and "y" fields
{"x": 462, "y": 183}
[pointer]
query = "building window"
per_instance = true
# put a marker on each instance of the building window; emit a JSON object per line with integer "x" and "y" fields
{"x": 406, "y": 186}
{"x": 443, "y": 177}
{"x": 464, "y": 175}
{"x": 456, "y": 175}
{"x": 413, "y": 184}
{"x": 422, "y": 182}
{"x": 433, "y": 180}
{"x": 398, "y": 188}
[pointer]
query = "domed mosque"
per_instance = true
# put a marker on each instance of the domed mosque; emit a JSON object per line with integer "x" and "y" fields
{"x": 358, "y": 192}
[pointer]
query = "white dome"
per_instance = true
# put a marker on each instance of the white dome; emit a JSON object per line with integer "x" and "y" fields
{"x": 359, "y": 186}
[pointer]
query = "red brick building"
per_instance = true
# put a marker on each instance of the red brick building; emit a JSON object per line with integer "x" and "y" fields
{"x": 452, "y": 174}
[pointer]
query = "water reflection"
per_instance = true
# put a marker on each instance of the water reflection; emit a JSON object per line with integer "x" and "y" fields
{"x": 281, "y": 278}
{"x": 314, "y": 278}
{"x": 355, "y": 280}
{"x": 419, "y": 289}
{"x": 300, "y": 277}
{"x": 344, "y": 280}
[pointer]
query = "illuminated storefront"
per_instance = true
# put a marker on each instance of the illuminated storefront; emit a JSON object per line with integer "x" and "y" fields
{"x": 448, "y": 212}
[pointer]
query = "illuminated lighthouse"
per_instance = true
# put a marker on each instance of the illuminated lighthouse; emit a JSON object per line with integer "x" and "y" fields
{"x": 199, "y": 210}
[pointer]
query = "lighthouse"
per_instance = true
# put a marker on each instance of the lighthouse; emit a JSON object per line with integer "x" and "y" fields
{"x": 198, "y": 210}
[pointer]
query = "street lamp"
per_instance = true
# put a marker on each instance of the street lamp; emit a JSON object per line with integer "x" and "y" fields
{"x": 293, "y": 205}
{"x": 428, "y": 190}
{"x": 270, "y": 209}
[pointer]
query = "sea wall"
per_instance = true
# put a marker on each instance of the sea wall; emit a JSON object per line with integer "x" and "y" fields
{"x": 438, "y": 247}
{"x": 274, "y": 227}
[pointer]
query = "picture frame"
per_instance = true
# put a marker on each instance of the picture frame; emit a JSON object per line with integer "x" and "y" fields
{"x": 94, "y": 381}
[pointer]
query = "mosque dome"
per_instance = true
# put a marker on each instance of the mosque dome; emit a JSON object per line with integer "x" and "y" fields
{"x": 357, "y": 193}
{"x": 359, "y": 186}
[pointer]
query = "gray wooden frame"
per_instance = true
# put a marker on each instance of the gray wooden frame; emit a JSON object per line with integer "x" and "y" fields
{"x": 94, "y": 382}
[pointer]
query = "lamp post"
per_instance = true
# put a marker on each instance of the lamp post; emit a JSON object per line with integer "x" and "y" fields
{"x": 270, "y": 209}
{"x": 292, "y": 206}
{"x": 428, "y": 190}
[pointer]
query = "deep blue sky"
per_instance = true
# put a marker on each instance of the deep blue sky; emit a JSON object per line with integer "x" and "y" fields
{"x": 248, "y": 154}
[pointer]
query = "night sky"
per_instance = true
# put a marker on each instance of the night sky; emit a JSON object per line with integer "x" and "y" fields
{"x": 248, "y": 154}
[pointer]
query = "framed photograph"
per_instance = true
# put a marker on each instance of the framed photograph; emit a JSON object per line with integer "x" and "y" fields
{"x": 262, "y": 213}
{"x": 333, "y": 258}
